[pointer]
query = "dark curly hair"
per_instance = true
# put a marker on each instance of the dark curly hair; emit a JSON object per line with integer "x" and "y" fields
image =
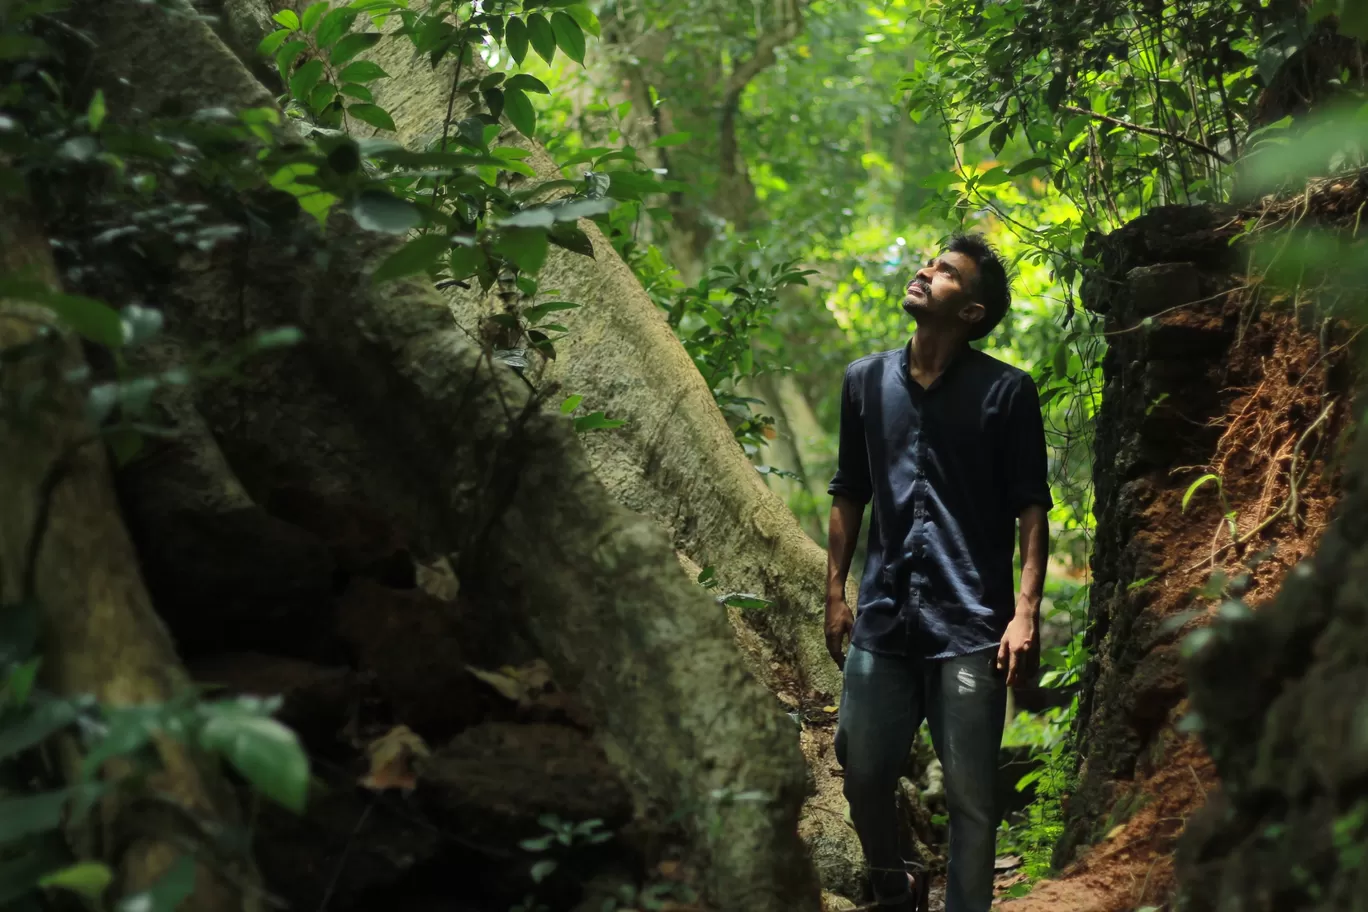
{"x": 994, "y": 290}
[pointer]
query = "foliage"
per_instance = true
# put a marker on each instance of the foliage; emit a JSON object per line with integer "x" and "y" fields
{"x": 717, "y": 319}
{"x": 34, "y": 808}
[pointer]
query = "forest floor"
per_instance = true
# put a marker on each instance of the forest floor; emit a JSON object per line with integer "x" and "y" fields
{"x": 1133, "y": 865}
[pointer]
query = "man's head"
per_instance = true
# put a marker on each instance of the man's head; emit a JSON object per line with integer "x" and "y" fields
{"x": 965, "y": 288}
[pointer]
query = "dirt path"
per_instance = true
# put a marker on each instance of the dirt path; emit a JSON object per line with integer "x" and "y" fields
{"x": 1132, "y": 867}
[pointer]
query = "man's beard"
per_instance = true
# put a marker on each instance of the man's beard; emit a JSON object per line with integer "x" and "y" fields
{"x": 917, "y": 307}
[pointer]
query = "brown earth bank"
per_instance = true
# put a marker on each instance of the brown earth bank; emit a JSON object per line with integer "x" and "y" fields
{"x": 1210, "y": 371}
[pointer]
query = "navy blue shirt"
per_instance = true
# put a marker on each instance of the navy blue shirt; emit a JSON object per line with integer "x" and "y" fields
{"x": 948, "y": 468}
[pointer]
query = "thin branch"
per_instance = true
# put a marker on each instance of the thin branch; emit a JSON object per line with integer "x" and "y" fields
{"x": 1148, "y": 131}
{"x": 763, "y": 58}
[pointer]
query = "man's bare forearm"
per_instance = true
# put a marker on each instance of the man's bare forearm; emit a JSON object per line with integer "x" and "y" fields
{"x": 843, "y": 533}
{"x": 1035, "y": 547}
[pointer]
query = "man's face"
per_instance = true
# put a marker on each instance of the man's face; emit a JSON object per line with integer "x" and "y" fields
{"x": 942, "y": 291}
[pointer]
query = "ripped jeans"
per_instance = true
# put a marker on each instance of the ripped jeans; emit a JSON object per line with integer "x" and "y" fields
{"x": 883, "y": 702}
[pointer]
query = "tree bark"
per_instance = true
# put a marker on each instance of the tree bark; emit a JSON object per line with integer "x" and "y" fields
{"x": 389, "y": 398}
{"x": 62, "y": 544}
{"x": 676, "y": 460}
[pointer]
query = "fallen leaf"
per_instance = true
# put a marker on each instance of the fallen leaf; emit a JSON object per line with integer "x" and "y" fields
{"x": 1115, "y": 831}
{"x": 508, "y": 687}
{"x": 1007, "y": 862}
{"x": 829, "y": 709}
{"x": 526, "y": 685}
{"x": 393, "y": 757}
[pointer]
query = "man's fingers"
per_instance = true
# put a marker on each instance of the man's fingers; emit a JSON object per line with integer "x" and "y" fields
{"x": 1002, "y": 653}
{"x": 835, "y": 643}
{"x": 1011, "y": 667}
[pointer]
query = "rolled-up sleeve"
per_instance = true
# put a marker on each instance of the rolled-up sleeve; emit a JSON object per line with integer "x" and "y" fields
{"x": 1027, "y": 461}
{"x": 852, "y": 478}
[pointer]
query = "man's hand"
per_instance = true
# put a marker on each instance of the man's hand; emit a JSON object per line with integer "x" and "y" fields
{"x": 839, "y": 622}
{"x": 1018, "y": 652}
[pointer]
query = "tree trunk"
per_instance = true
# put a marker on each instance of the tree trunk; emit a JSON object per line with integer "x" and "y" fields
{"x": 62, "y": 545}
{"x": 676, "y": 460}
{"x": 387, "y": 398}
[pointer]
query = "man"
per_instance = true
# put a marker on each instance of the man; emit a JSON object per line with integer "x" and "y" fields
{"x": 949, "y": 445}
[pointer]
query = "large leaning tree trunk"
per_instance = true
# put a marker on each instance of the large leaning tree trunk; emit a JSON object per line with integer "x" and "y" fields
{"x": 388, "y": 399}
{"x": 63, "y": 548}
{"x": 676, "y": 460}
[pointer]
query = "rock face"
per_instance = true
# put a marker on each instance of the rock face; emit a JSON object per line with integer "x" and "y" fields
{"x": 1204, "y": 375}
{"x": 1278, "y": 695}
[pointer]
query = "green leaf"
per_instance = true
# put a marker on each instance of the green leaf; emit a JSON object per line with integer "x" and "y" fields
{"x": 974, "y": 132}
{"x": 586, "y": 19}
{"x": 672, "y": 139}
{"x": 524, "y": 247}
{"x": 351, "y": 45}
{"x": 994, "y": 176}
{"x": 543, "y": 869}
{"x": 569, "y": 36}
{"x": 745, "y": 601}
{"x": 280, "y": 337}
{"x": 167, "y": 894}
{"x": 36, "y": 724}
{"x": 520, "y": 112}
{"x": 465, "y": 261}
{"x": 358, "y": 92}
{"x": 19, "y": 623}
{"x": 536, "y": 312}
{"x": 286, "y": 18}
{"x": 264, "y": 751}
{"x": 312, "y": 15}
{"x": 527, "y": 83}
{"x": 288, "y": 53}
{"x": 376, "y": 210}
{"x": 542, "y": 36}
{"x": 418, "y": 255}
{"x": 272, "y": 42}
{"x": 25, "y": 816}
{"x": 1030, "y": 164}
{"x": 16, "y": 690}
{"x": 92, "y": 319}
{"x": 581, "y": 208}
{"x": 334, "y": 25}
{"x": 533, "y": 217}
{"x": 95, "y": 113}
{"x": 322, "y": 96}
{"x": 998, "y": 138}
{"x": 494, "y": 101}
{"x": 361, "y": 71}
{"x": 597, "y": 421}
{"x": 570, "y": 404}
{"x": 372, "y": 114}
{"x": 305, "y": 78}
{"x": 571, "y": 238}
{"x": 515, "y": 39}
{"x": 88, "y": 878}
{"x": 1192, "y": 488}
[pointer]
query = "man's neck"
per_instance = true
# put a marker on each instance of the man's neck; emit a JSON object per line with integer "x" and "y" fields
{"x": 931, "y": 351}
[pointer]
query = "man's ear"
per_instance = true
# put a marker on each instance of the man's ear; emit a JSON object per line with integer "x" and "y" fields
{"x": 973, "y": 312}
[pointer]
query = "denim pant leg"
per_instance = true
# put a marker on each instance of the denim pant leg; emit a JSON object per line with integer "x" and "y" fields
{"x": 881, "y": 709}
{"x": 966, "y": 707}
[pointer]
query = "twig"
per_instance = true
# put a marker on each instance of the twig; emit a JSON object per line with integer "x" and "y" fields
{"x": 1195, "y": 778}
{"x": 1148, "y": 131}
{"x": 342, "y": 859}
